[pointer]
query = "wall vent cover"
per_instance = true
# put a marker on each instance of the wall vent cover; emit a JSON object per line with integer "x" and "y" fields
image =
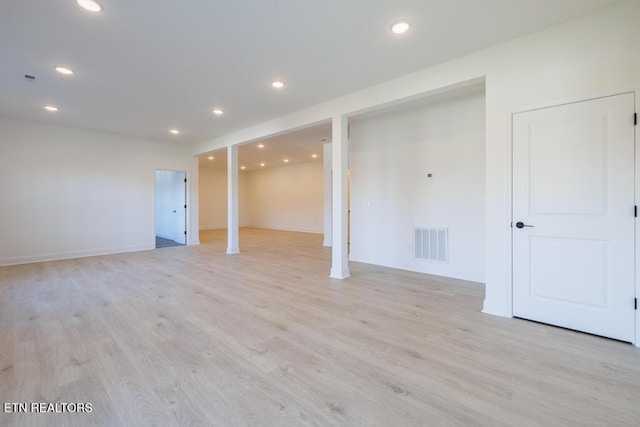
{"x": 431, "y": 244}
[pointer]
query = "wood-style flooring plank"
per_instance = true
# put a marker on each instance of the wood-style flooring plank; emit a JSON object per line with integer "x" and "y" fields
{"x": 188, "y": 335}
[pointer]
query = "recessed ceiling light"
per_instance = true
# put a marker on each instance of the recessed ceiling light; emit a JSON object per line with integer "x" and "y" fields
{"x": 286, "y": 160}
{"x": 218, "y": 112}
{"x": 262, "y": 164}
{"x": 278, "y": 84}
{"x": 260, "y": 145}
{"x": 211, "y": 158}
{"x": 400, "y": 27}
{"x": 174, "y": 131}
{"x": 90, "y": 5}
{"x": 51, "y": 108}
{"x": 242, "y": 167}
{"x": 315, "y": 156}
{"x": 64, "y": 70}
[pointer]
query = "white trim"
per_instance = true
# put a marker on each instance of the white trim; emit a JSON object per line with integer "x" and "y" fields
{"x": 619, "y": 90}
{"x": 327, "y": 192}
{"x": 418, "y": 266}
{"x": 508, "y": 305}
{"x": 187, "y": 212}
{"x": 297, "y": 230}
{"x": 75, "y": 254}
{"x": 637, "y": 202}
{"x": 493, "y": 309}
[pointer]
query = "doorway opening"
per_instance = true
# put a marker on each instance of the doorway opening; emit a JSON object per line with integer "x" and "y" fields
{"x": 280, "y": 186}
{"x": 170, "y": 208}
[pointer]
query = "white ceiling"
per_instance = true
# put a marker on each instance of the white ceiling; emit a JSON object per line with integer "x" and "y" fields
{"x": 301, "y": 145}
{"x": 297, "y": 147}
{"x": 145, "y": 66}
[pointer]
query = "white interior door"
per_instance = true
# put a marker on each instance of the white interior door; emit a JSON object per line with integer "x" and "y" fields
{"x": 573, "y": 216}
{"x": 170, "y": 206}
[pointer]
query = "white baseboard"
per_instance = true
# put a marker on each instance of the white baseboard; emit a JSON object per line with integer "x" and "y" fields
{"x": 494, "y": 308}
{"x": 297, "y": 230}
{"x": 224, "y": 227}
{"x": 417, "y": 268}
{"x": 74, "y": 254}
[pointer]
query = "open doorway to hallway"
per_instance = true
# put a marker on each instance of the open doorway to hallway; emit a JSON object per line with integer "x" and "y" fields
{"x": 170, "y": 208}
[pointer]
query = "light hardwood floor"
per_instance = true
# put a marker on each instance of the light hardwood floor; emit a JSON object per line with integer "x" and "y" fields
{"x": 191, "y": 336}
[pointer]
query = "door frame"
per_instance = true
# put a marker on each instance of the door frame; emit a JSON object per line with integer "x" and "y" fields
{"x": 627, "y": 90}
{"x": 187, "y": 212}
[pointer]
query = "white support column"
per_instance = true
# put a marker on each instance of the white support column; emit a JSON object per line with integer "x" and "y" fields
{"x": 327, "y": 160}
{"x": 340, "y": 157}
{"x": 233, "y": 246}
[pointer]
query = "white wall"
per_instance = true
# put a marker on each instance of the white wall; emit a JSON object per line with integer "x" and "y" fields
{"x": 213, "y": 199}
{"x": 390, "y": 193}
{"x": 287, "y": 198}
{"x": 591, "y": 56}
{"x": 284, "y": 198}
{"x": 70, "y": 192}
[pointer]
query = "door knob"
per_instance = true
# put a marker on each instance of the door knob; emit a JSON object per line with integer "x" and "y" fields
{"x": 521, "y": 224}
